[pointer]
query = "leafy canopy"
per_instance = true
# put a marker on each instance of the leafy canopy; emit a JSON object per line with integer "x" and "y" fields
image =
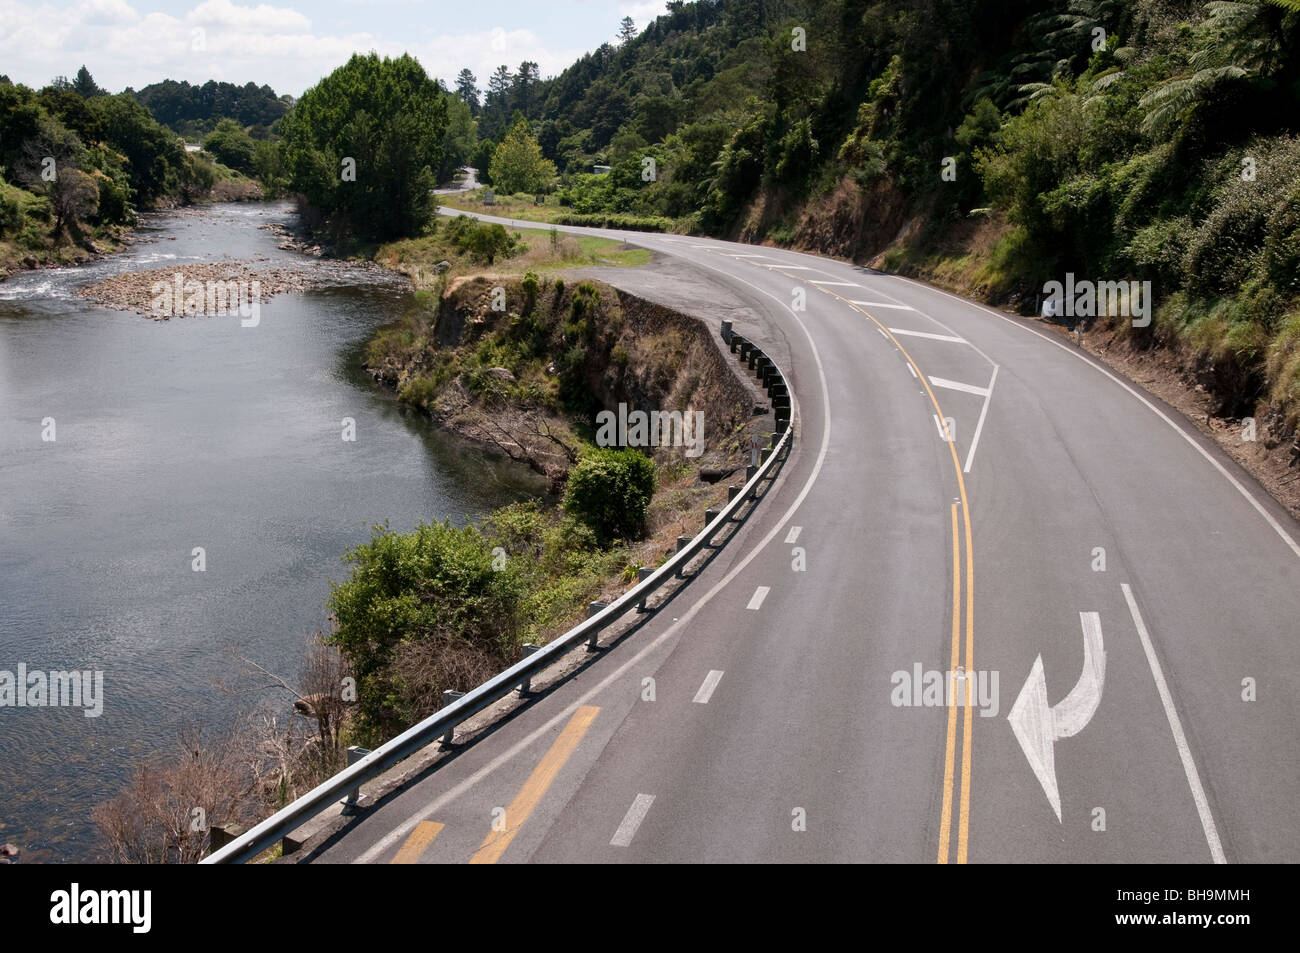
{"x": 386, "y": 116}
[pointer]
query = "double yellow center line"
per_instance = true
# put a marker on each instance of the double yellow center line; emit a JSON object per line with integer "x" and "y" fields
{"x": 956, "y": 664}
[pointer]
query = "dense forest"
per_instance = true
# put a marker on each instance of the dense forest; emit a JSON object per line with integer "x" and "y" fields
{"x": 194, "y": 111}
{"x": 992, "y": 144}
{"x": 76, "y": 163}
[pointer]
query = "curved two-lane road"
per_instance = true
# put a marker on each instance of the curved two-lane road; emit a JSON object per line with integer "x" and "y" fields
{"x": 967, "y": 494}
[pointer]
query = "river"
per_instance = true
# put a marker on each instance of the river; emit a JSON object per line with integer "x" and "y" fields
{"x": 194, "y": 432}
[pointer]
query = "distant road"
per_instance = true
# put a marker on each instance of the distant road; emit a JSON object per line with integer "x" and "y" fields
{"x": 469, "y": 183}
{"x": 968, "y": 493}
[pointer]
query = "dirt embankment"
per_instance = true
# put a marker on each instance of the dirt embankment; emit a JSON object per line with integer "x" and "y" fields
{"x": 532, "y": 379}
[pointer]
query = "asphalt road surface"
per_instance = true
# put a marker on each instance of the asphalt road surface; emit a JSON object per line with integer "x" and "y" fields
{"x": 974, "y": 501}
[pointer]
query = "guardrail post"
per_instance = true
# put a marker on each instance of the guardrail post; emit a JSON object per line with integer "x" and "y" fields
{"x": 526, "y": 650}
{"x": 642, "y": 574}
{"x": 592, "y": 609}
{"x": 355, "y": 754}
{"x": 736, "y": 341}
{"x": 682, "y": 543}
{"x": 750, "y": 470}
{"x": 731, "y": 493}
{"x": 219, "y": 835}
{"x": 447, "y": 698}
{"x": 754, "y": 355}
{"x": 726, "y": 332}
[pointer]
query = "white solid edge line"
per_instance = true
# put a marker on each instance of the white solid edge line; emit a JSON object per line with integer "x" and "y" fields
{"x": 632, "y": 820}
{"x": 975, "y": 441}
{"x": 1176, "y": 726}
{"x": 402, "y": 830}
{"x": 958, "y": 385}
{"x": 757, "y": 598}
{"x": 706, "y": 690}
{"x": 1250, "y": 498}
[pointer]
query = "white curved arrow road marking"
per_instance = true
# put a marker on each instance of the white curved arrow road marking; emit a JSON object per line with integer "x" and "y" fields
{"x": 1038, "y": 725}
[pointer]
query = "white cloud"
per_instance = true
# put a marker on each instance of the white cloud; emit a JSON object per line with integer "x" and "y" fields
{"x": 444, "y": 56}
{"x": 258, "y": 42}
{"x": 105, "y": 11}
{"x": 642, "y": 12}
{"x": 258, "y": 19}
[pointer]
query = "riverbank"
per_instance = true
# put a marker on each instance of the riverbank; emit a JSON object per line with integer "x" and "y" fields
{"x": 34, "y": 250}
{"x": 183, "y": 434}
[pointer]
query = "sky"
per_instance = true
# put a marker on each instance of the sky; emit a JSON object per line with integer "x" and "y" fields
{"x": 290, "y": 46}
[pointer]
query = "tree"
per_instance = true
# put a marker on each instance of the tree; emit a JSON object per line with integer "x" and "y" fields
{"x": 499, "y": 87}
{"x": 51, "y": 166}
{"x": 518, "y": 164}
{"x": 230, "y": 145}
{"x": 268, "y": 166}
{"x": 460, "y": 139}
{"x": 522, "y": 87}
{"x": 156, "y": 158}
{"x": 496, "y": 104}
{"x": 74, "y": 197}
{"x": 363, "y": 146}
{"x": 626, "y": 29}
{"x": 467, "y": 89}
{"x": 84, "y": 85}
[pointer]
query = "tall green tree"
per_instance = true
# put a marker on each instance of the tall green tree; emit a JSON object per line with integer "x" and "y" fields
{"x": 230, "y": 145}
{"x": 522, "y": 88}
{"x": 467, "y": 89}
{"x": 84, "y": 84}
{"x": 363, "y": 147}
{"x": 518, "y": 164}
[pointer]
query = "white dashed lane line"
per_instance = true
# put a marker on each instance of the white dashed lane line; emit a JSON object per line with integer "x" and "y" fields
{"x": 794, "y": 534}
{"x": 759, "y": 595}
{"x": 632, "y": 820}
{"x": 706, "y": 690}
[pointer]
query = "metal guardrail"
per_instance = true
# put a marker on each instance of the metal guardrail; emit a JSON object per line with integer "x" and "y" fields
{"x": 247, "y": 846}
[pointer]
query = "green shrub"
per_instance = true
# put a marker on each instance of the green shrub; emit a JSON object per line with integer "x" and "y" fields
{"x": 435, "y": 586}
{"x": 609, "y": 489}
{"x": 530, "y": 286}
{"x": 633, "y": 223}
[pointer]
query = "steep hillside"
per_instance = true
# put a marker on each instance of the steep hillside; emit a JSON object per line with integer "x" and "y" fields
{"x": 993, "y": 147}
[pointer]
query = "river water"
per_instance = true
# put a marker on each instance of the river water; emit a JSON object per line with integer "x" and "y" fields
{"x": 195, "y": 432}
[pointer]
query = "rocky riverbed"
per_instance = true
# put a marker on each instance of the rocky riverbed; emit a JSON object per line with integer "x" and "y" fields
{"x": 197, "y": 289}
